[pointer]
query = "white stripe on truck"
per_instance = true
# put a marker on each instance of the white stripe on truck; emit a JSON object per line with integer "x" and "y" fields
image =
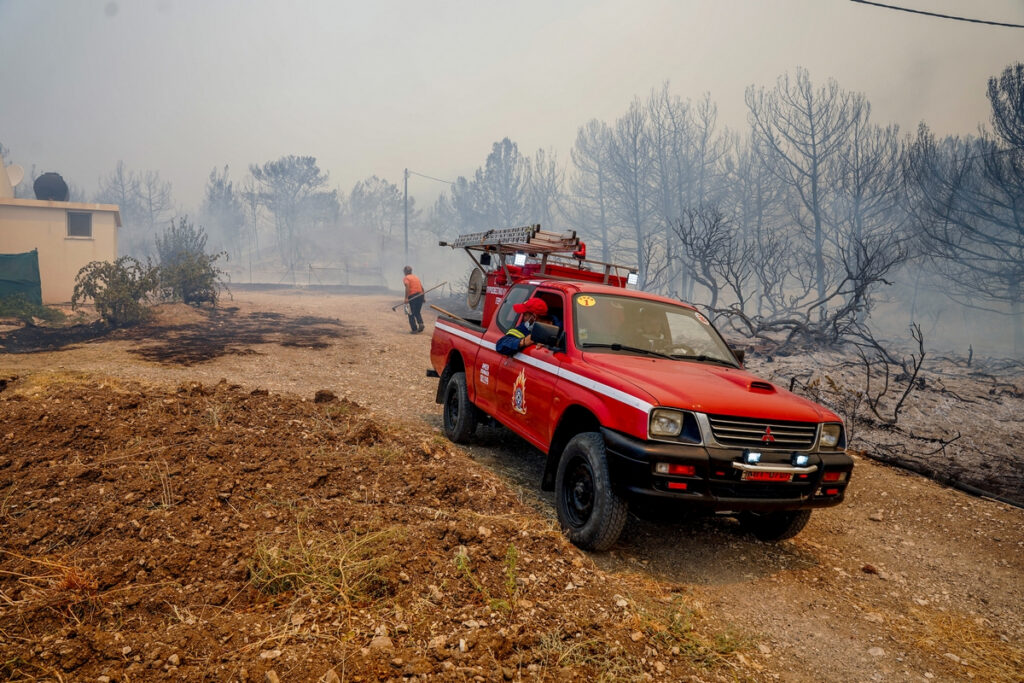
{"x": 579, "y": 380}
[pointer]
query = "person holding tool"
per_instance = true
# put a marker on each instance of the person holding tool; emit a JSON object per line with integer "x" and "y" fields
{"x": 414, "y": 300}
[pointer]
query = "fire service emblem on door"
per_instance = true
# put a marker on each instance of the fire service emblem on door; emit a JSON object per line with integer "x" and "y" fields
{"x": 519, "y": 393}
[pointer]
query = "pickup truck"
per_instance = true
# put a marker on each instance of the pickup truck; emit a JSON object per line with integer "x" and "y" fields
{"x": 638, "y": 397}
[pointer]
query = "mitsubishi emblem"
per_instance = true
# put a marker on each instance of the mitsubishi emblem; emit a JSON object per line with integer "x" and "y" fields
{"x": 767, "y": 438}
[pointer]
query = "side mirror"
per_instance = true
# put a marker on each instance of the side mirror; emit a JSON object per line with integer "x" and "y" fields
{"x": 548, "y": 335}
{"x": 739, "y": 353}
{"x": 485, "y": 259}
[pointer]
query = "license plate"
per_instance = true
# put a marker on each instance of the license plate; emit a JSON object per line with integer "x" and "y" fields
{"x": 767, "y": 476}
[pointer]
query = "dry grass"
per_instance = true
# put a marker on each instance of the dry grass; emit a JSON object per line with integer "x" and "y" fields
{"x": 606, "y": 659}
{"x": 347, "y": 566}
{"x": 981, "y": 651}
{"x": 677, "y": 626}
{"x": 64, "y": 588}
{"x": 509, "y": 600}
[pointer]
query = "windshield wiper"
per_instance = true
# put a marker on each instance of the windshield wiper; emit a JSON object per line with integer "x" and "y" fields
{"x": 623, "y": 347}
{"x": 704, "y": 358}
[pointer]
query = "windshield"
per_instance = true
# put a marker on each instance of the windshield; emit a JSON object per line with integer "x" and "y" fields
{"x": 620, "y": 324}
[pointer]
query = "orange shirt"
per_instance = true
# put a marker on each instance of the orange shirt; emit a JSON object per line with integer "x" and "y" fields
{"x": 412, "y": 286}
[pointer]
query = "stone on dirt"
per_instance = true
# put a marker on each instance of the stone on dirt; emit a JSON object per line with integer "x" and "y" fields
{"x": 381, "y": 643}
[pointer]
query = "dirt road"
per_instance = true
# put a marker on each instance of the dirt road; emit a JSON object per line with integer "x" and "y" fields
{"x": 906, "y": 581}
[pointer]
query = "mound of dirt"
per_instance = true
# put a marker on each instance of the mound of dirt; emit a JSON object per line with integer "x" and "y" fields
{"x": 216, "y": 533}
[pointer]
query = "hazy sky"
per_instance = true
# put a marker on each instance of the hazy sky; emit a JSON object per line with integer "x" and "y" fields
{"x": 372, "y": 87}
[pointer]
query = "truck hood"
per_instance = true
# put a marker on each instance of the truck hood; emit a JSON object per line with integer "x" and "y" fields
{"x": 708, "y": 388}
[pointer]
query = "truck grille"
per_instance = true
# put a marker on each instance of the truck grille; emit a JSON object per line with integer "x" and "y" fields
{"x": 740, "y": 432}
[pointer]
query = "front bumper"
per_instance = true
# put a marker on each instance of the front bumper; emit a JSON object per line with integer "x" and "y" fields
{"x": 717, "y": 482}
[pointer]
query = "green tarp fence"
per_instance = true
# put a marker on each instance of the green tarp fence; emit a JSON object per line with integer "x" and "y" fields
{"x": 19, "y": 274}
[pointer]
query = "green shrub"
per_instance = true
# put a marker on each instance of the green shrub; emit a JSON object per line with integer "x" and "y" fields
{"x": 120, "y": 289}
{"x": 18, "y": 306}
{"x": 187, "y": 272}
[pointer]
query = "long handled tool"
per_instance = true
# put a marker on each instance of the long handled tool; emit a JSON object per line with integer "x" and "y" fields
{"x": 395, "y": 307}
{"x": 449, "y": 314}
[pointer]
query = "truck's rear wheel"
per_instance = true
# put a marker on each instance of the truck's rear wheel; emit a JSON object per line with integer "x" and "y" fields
{"x": 775, "y": 526}
{"x": 591, "y": 513}
{"x": 459, "y": 414}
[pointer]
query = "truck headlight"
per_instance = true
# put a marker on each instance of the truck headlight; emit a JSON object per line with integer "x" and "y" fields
{"x": 666, "y": 422}
{"x": 830, "y": 435}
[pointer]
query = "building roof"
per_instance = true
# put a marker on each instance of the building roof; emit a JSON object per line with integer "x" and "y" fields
{"x": 67, "y": 206}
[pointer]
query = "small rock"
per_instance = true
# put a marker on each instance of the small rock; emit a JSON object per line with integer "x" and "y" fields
{"x": 869, "y": 569}
{"x": 921, "y": 601}
{"x": 929, "y": 675}
{"x": 622, "y": 602}
{"x": 126, "y": 650}
{"x": 297, "y": 619}
{"x": 484, "y": 532}
{"x": 659, "y": 667}
{"x": 874, "y": 618}
{"x": 952, "y": 657}
{"x": 472, "y": 623}
{"x": 463, "y": 645}
{"x": 174, "y": 660}
{"x": 435, "y": 593}
{"x": 875, "y": 516}
{"x": 508, "y": 673}
{"x": 403, "y": 577}
{"x": 330, "y": 677}
{"x": 876, "y": 652}
{"x": 569, "y": 586}
{"x": 397, "y": 662}
{"x": 437, "y": 642}
{"x": 103, "y": 679}
{"x": 764, "y": 649}
{"x": 270, "y": 654}
{"x": 381, "y": 643}
{"x": 636, "y": 636}
{"x": 271, "y": 677}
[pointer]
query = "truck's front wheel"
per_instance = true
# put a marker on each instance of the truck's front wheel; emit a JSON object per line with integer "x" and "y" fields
{"x": 459, "y": 414}
{"x": 591, "y": 513}
{"x": 775, "y": 526}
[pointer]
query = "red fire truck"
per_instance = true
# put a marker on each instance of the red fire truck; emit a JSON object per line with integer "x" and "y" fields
{"x": 633, "y": 396}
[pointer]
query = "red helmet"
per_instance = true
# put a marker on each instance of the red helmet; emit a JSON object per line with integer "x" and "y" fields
{"x": 531, "y": 305}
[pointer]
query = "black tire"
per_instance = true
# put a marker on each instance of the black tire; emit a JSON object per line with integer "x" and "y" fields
{"x": 775, "y": 526}
{"x": 591, "y": 513}
{"x": 459, "y": 413}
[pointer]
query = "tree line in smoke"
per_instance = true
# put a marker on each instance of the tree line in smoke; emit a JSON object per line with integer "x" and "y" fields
{"x": 790, "y": 229}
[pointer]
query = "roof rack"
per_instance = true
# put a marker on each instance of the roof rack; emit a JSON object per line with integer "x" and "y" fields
{"x": 529, "y": 238}
{"x": 562, "y": 256}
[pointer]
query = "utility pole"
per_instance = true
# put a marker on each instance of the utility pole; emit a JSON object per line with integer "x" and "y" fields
{"x": 406, "y": 197}
{"x": 406, "y": 201}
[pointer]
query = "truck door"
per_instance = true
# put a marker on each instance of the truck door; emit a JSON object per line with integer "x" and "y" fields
{"x": 526, "y": 382}
{"x": 488, "y": 361}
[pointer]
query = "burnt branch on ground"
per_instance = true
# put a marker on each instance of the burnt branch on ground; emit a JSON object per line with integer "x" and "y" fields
{"x": 33, "y": 339}
{"x": 224, "y": 332}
